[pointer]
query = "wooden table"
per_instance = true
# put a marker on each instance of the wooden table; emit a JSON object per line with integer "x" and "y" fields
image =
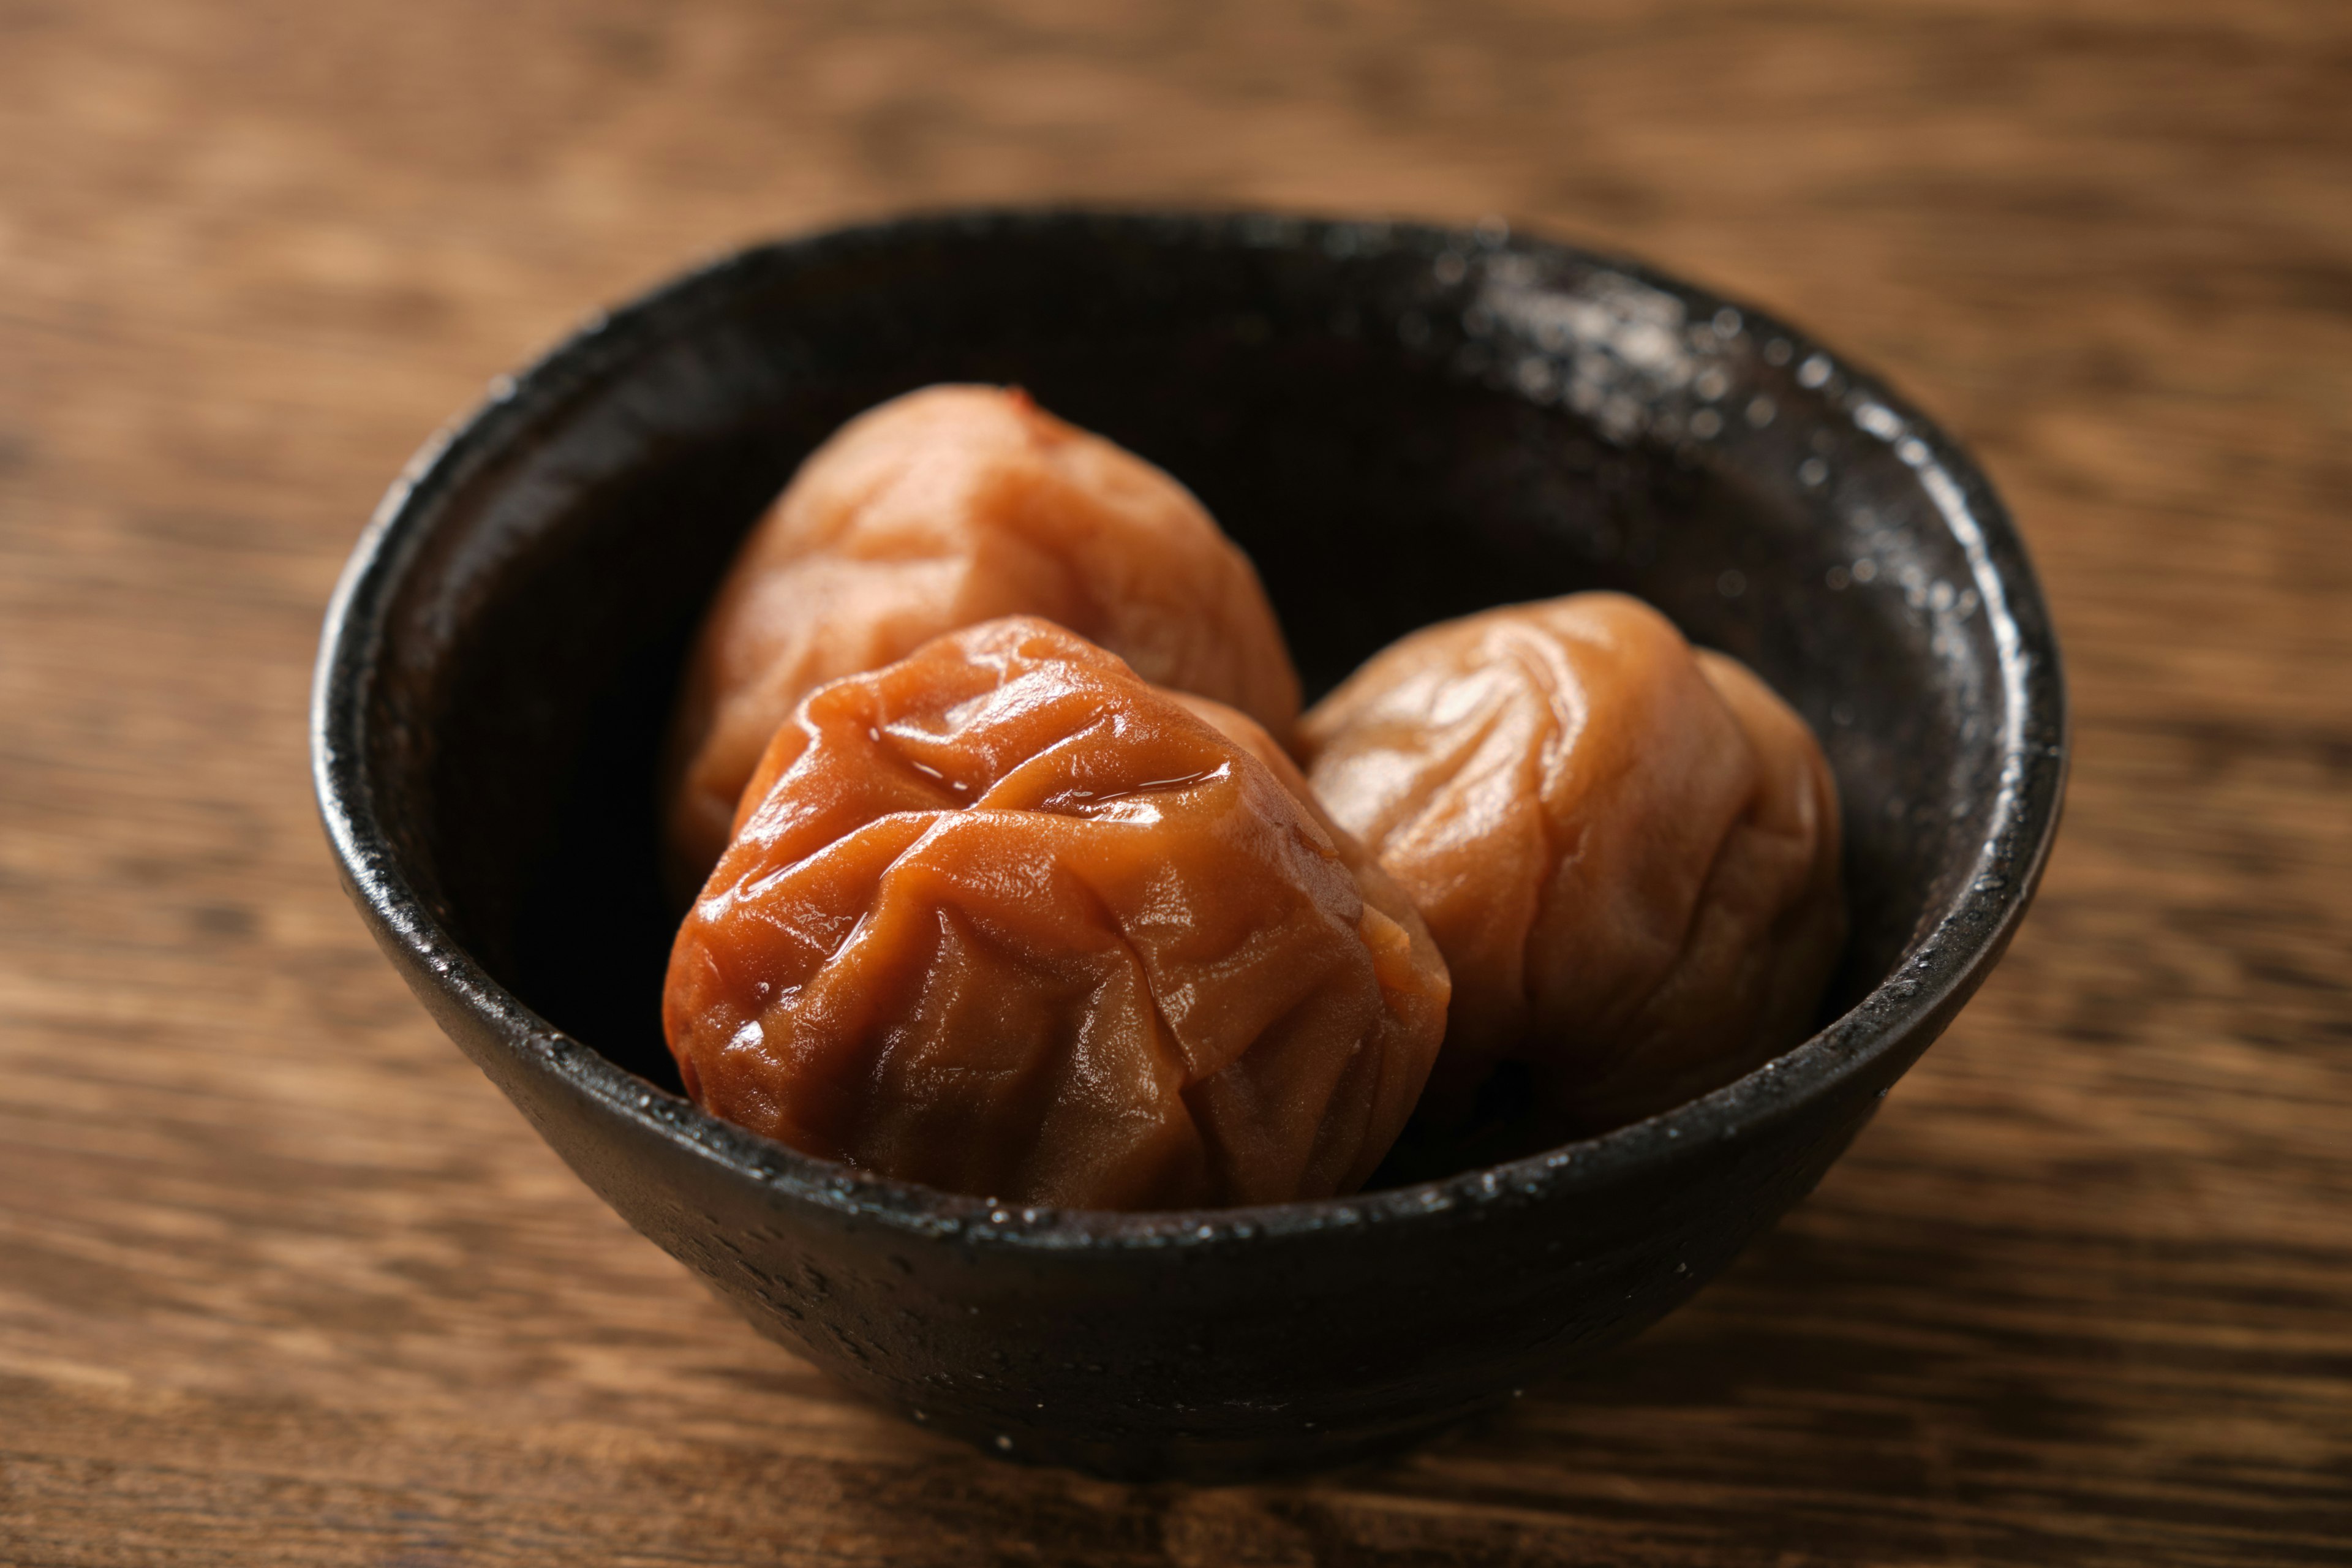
{"x": 283, "y": 1281}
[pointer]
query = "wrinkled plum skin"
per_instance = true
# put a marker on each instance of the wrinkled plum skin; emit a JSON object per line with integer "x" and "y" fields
{"x": 940, "y": 510}
{"x": 1627, "y": 850}
{"x": 1004, "y": 919}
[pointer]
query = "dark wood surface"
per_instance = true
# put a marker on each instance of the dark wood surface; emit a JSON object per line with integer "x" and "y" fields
{"x": 283, "y": 1281}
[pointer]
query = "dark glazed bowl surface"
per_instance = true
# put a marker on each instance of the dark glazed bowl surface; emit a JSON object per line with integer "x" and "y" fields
{"x": 1400, "y": 424}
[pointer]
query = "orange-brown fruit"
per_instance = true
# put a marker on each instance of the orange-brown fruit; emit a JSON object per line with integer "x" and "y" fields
{"x": 1006, "y": 920}
{"x": 1626, "y": 848}
{"x": 942, "y": 508}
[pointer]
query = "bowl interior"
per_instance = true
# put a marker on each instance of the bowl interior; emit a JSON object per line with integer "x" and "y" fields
{"x": 1398, "y": 424}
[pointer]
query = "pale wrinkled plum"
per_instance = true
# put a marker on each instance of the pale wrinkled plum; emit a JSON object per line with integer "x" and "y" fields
{"x": 1004, "y": 918}
{"x": 939, "y": 510}
{"x": 1626, "y": 849}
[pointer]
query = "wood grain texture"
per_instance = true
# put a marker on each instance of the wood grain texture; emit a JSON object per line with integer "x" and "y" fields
{"x": 283, "y": 1281}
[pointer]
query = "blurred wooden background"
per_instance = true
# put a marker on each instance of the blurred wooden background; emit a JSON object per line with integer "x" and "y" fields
{"x": 283, "y": 1281}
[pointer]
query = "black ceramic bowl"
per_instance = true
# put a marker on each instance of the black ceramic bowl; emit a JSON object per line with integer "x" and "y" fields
{"x": 1400, "y": 424}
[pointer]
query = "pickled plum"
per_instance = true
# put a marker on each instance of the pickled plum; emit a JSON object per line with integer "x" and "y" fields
{"x": 942, "y": 508}
{"x": 1005, "y": 919}
{"x": 1627, "y": 850}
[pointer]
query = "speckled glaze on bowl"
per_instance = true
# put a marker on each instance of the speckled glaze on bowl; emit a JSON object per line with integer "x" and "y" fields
{"x": 1400, "y": 423}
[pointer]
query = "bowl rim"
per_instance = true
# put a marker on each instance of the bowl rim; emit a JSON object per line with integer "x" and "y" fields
{"x": 1945, "y": 960}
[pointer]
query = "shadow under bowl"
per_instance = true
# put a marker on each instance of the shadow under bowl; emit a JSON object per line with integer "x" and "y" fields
{"x": 1400, "y": 423}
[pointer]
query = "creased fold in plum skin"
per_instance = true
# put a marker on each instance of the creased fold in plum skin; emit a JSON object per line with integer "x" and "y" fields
{"x": 1626, "y": 848}
{"x": 1004, "y": 919}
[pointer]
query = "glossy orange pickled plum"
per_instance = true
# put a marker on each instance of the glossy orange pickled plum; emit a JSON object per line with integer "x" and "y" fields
{"x": 939, "y": 510}
{"x": 1626, "y": 848}
{"x": 1004, "y": 918}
